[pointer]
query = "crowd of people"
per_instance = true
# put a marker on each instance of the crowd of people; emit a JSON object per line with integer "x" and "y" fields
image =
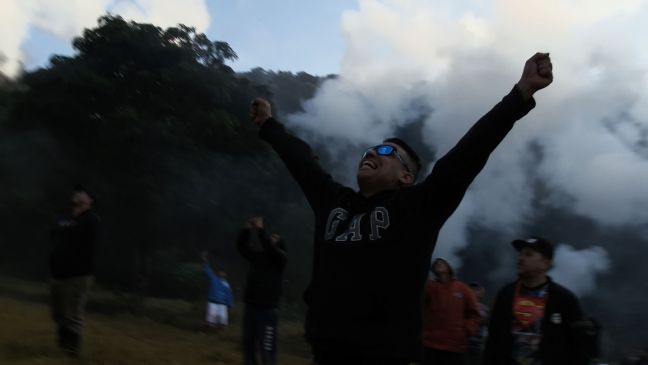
{"x": 418, "y": 311}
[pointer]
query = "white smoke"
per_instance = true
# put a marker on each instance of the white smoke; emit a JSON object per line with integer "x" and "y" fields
{"x": 577, "y": 269}
{"x": 66, "y": 19}
{"x": 459, "y": 58}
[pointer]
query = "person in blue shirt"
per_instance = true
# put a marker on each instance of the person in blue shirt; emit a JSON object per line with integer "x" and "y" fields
{"x": 219, "y": 296}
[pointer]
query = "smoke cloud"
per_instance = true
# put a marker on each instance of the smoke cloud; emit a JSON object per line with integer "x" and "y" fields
{"x": 66, "y": 19}
{"x": 449, "y": 62}
{"x": 577, "y": 269}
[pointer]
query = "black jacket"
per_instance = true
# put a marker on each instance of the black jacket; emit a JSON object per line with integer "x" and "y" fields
{"x": 372, "y": 255}
{"x": 559, "y": 344}
{"x": 263, "y": 284}
{"x": 74, "y": 240}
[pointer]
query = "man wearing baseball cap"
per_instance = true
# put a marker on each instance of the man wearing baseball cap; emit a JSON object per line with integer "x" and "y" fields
{"x": 71, "y": 263}
{"x": 533, "y": 319}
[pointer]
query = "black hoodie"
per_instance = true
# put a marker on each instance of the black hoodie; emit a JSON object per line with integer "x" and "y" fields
{"x": 263, "y": 284}
{"x": 372, "y": 255}
{"x": 74, "y": 241}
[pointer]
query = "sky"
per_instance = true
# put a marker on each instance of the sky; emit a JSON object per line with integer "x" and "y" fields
{"x": 289, "y": 35}
{"x": 442, "y": 62}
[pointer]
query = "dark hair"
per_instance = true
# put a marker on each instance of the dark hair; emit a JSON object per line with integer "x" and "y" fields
{"x": 475, "y": 285}
{"x": 410, "y": 152}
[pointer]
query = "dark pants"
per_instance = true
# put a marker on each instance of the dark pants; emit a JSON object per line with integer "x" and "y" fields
{"x": 259, "y": 335}
{"x": 68, "y": 301}
{"x": 440, "y": 357}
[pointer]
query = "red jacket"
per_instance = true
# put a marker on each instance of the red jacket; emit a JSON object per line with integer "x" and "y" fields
{"x": 450, "y": 315}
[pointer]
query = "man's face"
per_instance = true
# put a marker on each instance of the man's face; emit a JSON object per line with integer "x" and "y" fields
{"x": 531, "y": 263}
{"x": 80, "y": 198}
{"x": 378, "y": 172}
{"x": 440, "y": 267}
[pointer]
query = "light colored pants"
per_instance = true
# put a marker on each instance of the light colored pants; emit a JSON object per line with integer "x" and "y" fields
{"x": 216, "y": 314}
{"x": 68, "y": 302}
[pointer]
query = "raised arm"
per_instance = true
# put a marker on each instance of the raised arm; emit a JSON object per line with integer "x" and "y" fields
{"x": 318, "y": 185}
{"x": 454, "y": 172}
{"x": 207, "y": 266}
{"x": 271, "y": 245}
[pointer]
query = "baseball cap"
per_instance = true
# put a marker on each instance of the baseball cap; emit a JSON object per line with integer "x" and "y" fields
{"x": 542, "y": 245}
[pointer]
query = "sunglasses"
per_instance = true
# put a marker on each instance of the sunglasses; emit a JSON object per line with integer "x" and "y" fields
{"x": 386, "y": 150}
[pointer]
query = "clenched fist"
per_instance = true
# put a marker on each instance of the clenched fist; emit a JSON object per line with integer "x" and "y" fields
{"x": 537, "y": 74}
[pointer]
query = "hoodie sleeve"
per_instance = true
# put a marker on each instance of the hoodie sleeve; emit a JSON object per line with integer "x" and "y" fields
{"x": 271, "y": 249}
{"x": 453, "y": 173}
{"x": 318, "y": 185}
{"x": 208, "y": 270}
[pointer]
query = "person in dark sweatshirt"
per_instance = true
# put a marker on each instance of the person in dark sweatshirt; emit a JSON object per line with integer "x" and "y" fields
{"x": 358, "y": 312}
{"x": 262, "y": 291}
{"x": 71, "y": 265}
{"x": 535, "y": 321}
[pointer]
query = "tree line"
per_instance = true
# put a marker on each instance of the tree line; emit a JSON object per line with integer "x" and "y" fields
{"x": 156, "y": 123}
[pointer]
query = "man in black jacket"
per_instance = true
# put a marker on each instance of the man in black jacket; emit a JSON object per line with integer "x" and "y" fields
{"x": 262, "y": 292}
{"x": 534, "y": 320}
{"x": 359, "y": 313}
{"x": 71, "y": 265}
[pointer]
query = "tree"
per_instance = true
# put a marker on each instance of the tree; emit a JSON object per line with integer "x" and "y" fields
{"x": 157, "y": 123}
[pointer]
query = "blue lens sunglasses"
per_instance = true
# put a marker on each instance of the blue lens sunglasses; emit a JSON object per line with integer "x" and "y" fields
{"x": 386, "y": 150}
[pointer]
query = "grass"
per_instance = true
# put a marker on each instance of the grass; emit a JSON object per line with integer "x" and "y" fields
{"x": 155, "y": 331}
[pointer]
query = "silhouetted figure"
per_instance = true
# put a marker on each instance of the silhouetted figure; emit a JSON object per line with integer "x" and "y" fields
{"x": 71, "y": 265}
{"x": 219, "y": 296}
{"x": 262, "y": 292}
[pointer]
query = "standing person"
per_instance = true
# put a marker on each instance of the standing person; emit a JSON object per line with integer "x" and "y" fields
{"x": 476, "y": 343}
{"x": 533, "y": 319}
{"x": 359, "y": 313}
{"x": 219, "y": 296}
{"x": 71, "y": 264}
{"x": 262, "y": 292}
{"x": 450, "y": 316}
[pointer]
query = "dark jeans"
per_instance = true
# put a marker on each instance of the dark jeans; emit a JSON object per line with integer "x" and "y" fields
{"x": 440, "y": 357}
{"x": 259, "y": 335}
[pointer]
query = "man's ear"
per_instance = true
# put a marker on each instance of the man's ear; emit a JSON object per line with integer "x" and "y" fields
{"x": 406, "y": 178}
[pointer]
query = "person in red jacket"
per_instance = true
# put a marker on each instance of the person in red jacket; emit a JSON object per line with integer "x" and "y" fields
{"x": 450, "y": 316}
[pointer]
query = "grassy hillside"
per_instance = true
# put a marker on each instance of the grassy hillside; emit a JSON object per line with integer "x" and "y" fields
{"x": 125, "y": 330}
